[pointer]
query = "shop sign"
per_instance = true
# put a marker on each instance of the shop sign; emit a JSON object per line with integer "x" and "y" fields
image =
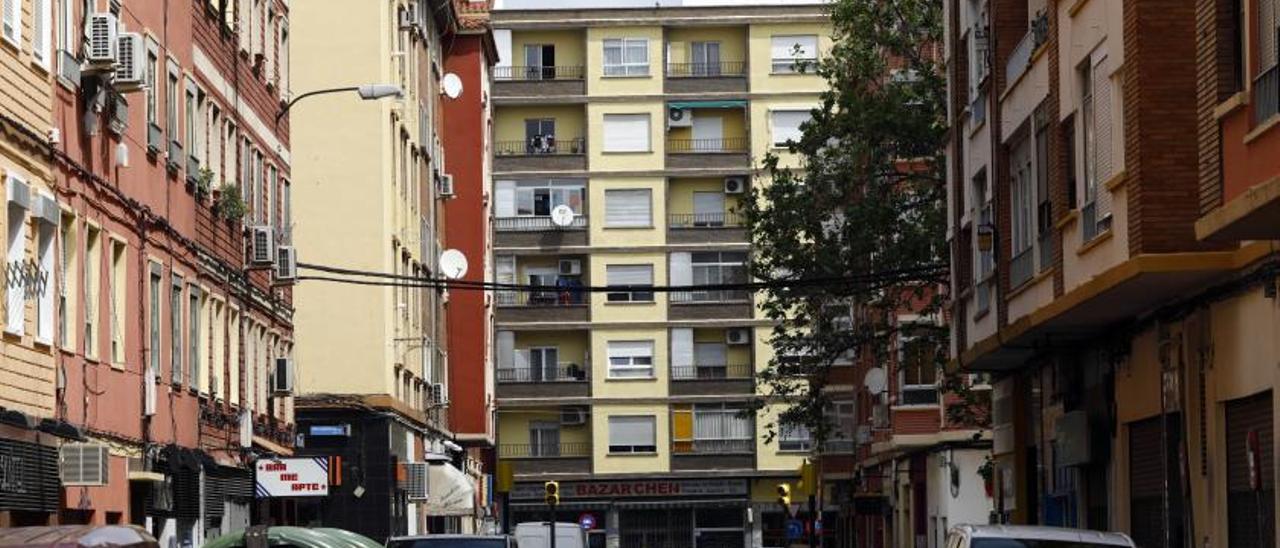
{"x": 305, "y": 477}
{"x": 636, "y": 489}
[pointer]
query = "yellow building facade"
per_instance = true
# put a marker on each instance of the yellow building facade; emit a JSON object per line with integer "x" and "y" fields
{"x": 627, "y": 141}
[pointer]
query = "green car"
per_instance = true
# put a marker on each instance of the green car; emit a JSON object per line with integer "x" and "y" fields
{"x": 299, "y": 537}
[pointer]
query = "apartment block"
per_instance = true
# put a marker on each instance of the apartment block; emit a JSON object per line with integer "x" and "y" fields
{"x": 624, "y": 141}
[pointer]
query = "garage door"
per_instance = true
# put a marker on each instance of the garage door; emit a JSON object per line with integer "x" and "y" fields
{"x": 1251, "y": 512}
{"x": 1147, "y": 483}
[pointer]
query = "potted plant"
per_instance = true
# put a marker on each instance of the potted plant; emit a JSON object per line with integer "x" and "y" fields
{"x": 988, "y": 472}
{"x": 229, "y": 205}
{"x": 203, "y": 183}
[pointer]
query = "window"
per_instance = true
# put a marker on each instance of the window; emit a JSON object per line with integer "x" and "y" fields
{"x": 544, "y": 439}
{"x": 286, "y": 212}
{"x": 786, "y": 125}
{"x": 630, "y": 359}
{"x": 632, "y": 281}
{"x": 171, "y": 106}
{"x": 67, "y": 279}
{"x": 626, "y": 57}
{"x": 12, "y": 22}
{"x": 44, "y": 299}
{"x": 709, "y": 268}
{"x": 537, "y": 364}
{"x": 704, "y": 58}
{"x": 273, "y": 198}
{"x": 1096, "y": 127}
{"x": 1021, "y": 210}
{"x": 153, "y": 69}
{"x": 190, "y": 112}
{"x": 217, "y": 336}
{"x": 918, "y": 372}
{"x": 194, "y": 299}
{"x": 632, "y": 434}
{"x": 540, "y": 135}
{"x": 233, "y": 357}
{"x": 1266, "y": 83}
{"x": 537, "y": 198}
{"x": 16, "y": 259}
{"x": 540, "y": 61}
{"x": 176, "y": 351}
{"x": 792, "y": 54}
{"x": 722, "y": 428}
{"x": 92, "y": 296}
{"x": 119, "y": 285}
{"x": 66, "y": 26}
{"x": 626, "y": 133}
{"x": 153, "y": 327}
{"x": 41, "y": 22}
{"x": 629, "y": 208}
{"x": 1044, "y": 206}
{"x": 794, "y": 437}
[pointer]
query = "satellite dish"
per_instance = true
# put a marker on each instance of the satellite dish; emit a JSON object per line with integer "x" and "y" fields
{"x": 452, "y": 85}
{"x": 453, "y": 264}
{"x": 562, "y": 215}
{"x": 874, "y": 381}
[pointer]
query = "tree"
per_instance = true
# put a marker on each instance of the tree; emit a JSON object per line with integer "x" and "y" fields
{"x": 856, "y": 232}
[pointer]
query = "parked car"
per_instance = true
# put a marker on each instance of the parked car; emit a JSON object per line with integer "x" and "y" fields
{"x": 537, "y": 534}
{"x": 1027, "y": 536}
{"x": 452, "y": 541}
{"x": 64, "y": 536}
{"x": 300, "y": 537}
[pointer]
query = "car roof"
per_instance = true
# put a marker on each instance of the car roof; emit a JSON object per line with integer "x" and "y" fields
{"x": 1036, "y": 532}
{"x": 443, "y": 535}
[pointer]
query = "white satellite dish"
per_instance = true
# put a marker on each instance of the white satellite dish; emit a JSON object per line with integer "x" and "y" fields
{"x": 453, "y": 264}
{"x": 452, "y": 85}
{"x": 875, "y": 381}
{"x": 562, "y": 215}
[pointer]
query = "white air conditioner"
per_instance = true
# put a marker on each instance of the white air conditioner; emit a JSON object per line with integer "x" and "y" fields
{"x": 735, "y": 185}
{"x": 573, "y": 416}
{"x": 103, "y": 37}
{"x": 438, "y": 394}
{"x": 415, "y": 480}
{"x": 570, "y": 267}
{"x": 130, "y": 65}
{"x": 679, "y": 117}
{"x": 286, "y": 263}
{"x": 446, "y": 185}
{"x": 83, "y": 464}
{"x": 282, "y": 377}
{"x": 263, "y": 245}
{"x": 738, "y": 335}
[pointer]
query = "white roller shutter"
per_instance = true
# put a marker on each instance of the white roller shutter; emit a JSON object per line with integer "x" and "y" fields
{"x": 681, "y": 269}
{"x": 631, "y": 431}
{"x": 628, "y": 208}
{"x": 794, "y": 47}
{"x": 682, "y": 347}
{"x": 626, "y": 133}
{"x": 786, "y": 125}
{"x": 629, "y": 275}
{"x": 504, "y": 199}
{"x": 506, "y": 348}
{"x": 1102, "y": 102}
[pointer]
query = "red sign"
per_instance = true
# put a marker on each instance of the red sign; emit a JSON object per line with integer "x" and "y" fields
{"x": 638, "y": 488}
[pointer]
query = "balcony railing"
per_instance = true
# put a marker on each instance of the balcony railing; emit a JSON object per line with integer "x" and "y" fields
{"x": 1020, "y": 59}
{"x": 711, "y": 372}
{"x": 1266, "y": 95}
{"x": 537, "y": 450}
{"x": 536, "y": 224}
{"x": 541, "y": 146}
{"x": 562, "y": 372}
{"x": 837, "y": 447}
{"x": 714, "y": 447}
{"x": 707, "y": 70}
{"x": 918, "y": 396}
{"x": 705, "y": 220}
{"x": 533, "y": 74}
{"x": 710, "y": 296}
{"x": 550, "y": 297}
{"x": 706, "y": 146}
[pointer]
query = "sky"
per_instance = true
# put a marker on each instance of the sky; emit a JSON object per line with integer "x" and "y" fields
{"x": 565, "y": 4}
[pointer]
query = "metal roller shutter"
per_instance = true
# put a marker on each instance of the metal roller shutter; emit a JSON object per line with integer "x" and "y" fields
{"x": 1251, "y": 513}
{"x": 1147, "y": 481}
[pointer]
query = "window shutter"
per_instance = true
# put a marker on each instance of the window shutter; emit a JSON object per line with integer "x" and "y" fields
{"x": 682, "y": 424}
{"x": 13, "y": 21}
{"x": 629, "y": 275}
{"x": 682, "y": 347}
{"x": 1267, "y": 34}
{"x": 40, "y": 31}
{"x": 19, "y": 198}
{"x": 1103, "y": 130}
{"x": 711, "y": 354}
{"x": 786, "y": 125}
{"x": 626, "y": 133}
{"x": 630, "y": 349}
{"x": 681, "y": 269}
{"x": 627, "y": 208}
{"x": 631, "y": 431}
{"x": 794, "y": 47}
{"x": 506, "y": 348}
{"x": 504, "y": 199}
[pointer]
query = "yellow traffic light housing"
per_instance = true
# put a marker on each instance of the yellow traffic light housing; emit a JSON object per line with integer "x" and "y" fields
{"x": 552, "y": 490}
{"x": 784, "y": 494}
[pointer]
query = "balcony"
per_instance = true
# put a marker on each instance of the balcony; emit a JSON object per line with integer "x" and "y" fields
{"x": 688, "y": 228}
{"x": 564, "y": 380}
{"x": 547, "y": 458}
{"x": 710, "y": 304}
{"x": 716, "y": 379}
{"x": 540, "y": 153}
{"x": 713, "y": 454}
{"x": 1020, "y": 59}
{"x": 716, "y": 153}
{"x": 706, "y": 77}
{"x": 708, "y": 135}
{"x": 538, "y": 81}
{"x": 538, "y": 231}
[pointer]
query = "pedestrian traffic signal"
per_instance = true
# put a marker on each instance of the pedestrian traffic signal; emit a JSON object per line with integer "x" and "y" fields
{"x": 552, "y": 490}
{"x": 784, "y": 494}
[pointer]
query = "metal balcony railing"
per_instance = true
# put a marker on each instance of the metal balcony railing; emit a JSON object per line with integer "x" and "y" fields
{"x": 562, "y": 372}
{"x": 550, "y": 297}
{"x": 528, "y": 73}
{"x": 924, "y": 395}
{"x": 707, "y": 146}
{"x": 714, "y": 447}
{"x": 541, "y": 146}
{"x": 1020, "y": 59}
{"x": 705, "y": 220}
{"x": 537, "y": 450}
{"x": 703, "y": 372}
{"x": 707, "y": 70}
{"x": 710, "y": 296}
{"x": 1266, "y": 95}
{"x": 536, "y": 224}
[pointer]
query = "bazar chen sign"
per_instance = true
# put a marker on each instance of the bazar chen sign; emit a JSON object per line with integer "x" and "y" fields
{"x": 639, "y": 488}
{"x": 308, "y": 477}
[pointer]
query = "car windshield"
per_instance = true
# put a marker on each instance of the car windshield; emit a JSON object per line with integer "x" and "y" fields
{"x": 453, "y": 542}
{"x": 1031, "y": 543}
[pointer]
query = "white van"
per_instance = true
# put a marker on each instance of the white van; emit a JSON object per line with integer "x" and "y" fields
{"x": 1028, "y": 536}
{"x": 537, "y": 534}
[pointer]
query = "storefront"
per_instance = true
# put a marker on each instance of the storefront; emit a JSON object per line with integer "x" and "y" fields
{"x": 29, "y": 485}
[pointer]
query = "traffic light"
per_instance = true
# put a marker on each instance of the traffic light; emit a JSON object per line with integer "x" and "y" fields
{"x": 784, "y": 494}
{"x": 552, "y": 490}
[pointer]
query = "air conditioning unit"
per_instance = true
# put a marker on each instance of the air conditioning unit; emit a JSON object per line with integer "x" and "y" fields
{"x": 573, "y": 416}
{"x": 439, "y": 395}
{"x": 286, "y": 263}
{"x": 679, "y": 117}
{"x": 103, "y": 40}
{"x": 570, "y": 267}
{"x": 82, "y": 464}
{"x": 415, "y": 480}
{"x": 282, "y": 377}
{"x": 130, "y": 62}
{"x": 263, "y": 242}
{"x": 738, "y": 335}
{"x": 445, "y": 183}
{"x": 735, "y": 185}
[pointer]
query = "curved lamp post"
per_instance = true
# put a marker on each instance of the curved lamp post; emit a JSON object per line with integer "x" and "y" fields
{"x": 368, "y": 92}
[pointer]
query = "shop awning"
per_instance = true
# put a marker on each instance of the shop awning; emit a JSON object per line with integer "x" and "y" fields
{"x": 708, "y": 104}
{"x": 451, "y": 492}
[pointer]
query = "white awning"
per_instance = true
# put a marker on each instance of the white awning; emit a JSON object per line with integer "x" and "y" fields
{"x": 451, "y": 492}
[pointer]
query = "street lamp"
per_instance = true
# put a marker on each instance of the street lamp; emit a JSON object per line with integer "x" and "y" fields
{"x": 368, "y": 92}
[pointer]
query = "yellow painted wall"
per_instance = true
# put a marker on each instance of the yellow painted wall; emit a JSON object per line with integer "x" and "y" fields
{"x": 768, "y": 457}
{"x": 571, "y": 345}
{"x": 733, "y": 122}
{"x": 622, "y": 161}
{"x": 604, "y": 463}
{"x": 734, "y": 353}
{"x": 604, "y": 387}
{"x": 599, "y": 84}
{"x": 604, "y": 311}
{"x": 680, "y": 194}
{"x": 1078, "y": 266}
{"x": 603, "y": 236}
{"x": 569, "y": 45}
{"x": 762, "y": 126}
{"x": 733, "y": 42}
{"x": 761, "y": 60}
{"x": 513, "y": 426}
{"x": 508, "y": 122}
